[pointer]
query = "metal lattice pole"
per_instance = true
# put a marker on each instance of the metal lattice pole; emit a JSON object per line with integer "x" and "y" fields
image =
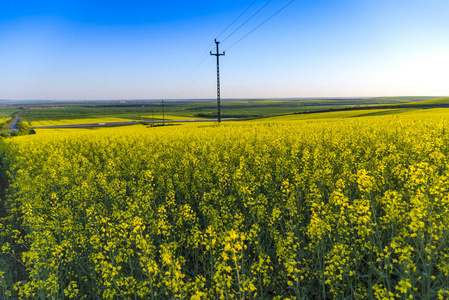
{"x": 218, "y": 79}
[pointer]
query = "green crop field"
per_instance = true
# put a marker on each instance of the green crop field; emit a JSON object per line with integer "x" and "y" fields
{"x": 439, "y": 101}
{"x": 8, "y": 113}
{"x": 178, "y": 110}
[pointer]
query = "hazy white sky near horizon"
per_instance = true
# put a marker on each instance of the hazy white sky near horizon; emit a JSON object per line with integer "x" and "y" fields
{"x": 83, "y": 49}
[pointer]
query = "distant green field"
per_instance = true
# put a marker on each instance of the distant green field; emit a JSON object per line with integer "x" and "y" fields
{"x": 8, "y": 112}
{"x": 328, "y": 115}
{"x": 94, "y": 111}
{"x": 200, "y": 109}
{"x": 100, "y": 119}
{"x": 427, "y": 103}
{"x": 43, "y": 123}
{"x": 345, "y": 114}
{"x": 432, "y": 102}
{"x": 390, "y": 100}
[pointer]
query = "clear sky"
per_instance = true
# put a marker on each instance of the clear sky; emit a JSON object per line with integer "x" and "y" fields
{"x": 87, "y": 49}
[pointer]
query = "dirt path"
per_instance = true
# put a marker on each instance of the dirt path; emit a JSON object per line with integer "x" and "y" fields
{"x": 13, "y": 126}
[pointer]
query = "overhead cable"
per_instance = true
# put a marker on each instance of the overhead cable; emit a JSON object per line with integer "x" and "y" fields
{"x": 236, "y": 19}
{"x": 201, "y": 59}
{"x": 196, "y": 78}
{"x": 247, "y": 20}
{"x": 257, "y": 27}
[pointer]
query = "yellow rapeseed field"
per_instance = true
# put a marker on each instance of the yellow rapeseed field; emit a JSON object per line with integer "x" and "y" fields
{"x": 4, "y": 120}
{"x": 341, "y": 208}
{"x": 77, "y": 121}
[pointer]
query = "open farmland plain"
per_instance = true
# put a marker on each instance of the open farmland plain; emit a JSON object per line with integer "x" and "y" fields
{"x": 147, "y": 111}
{"x": 338, "y": 205}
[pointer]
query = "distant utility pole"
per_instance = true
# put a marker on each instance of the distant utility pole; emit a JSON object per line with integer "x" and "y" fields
{"x": 163, "y": 117}
{"x": 218, "y": 78}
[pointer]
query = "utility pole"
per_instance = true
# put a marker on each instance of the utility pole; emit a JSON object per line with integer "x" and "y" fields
{"x": 218, "y": 78}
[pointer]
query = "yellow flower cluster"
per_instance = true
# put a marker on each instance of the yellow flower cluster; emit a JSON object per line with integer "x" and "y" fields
{"x": 338, "y": 208}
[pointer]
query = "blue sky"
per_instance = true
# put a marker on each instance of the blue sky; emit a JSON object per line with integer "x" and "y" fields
{"x": 64, "y": 50}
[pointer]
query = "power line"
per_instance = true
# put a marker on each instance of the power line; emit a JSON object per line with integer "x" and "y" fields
{"x": 185, "y": 81}
{"x": 204, "y": 55}
{"x": 247, "y": 20}
{"x": 237, "y": 18}
{"x": 196, "y": 78}
{"x": 196, "y": 67}
{"x": 198, "y": 63}
{"x": 187, "y": 77}
{"x": 285, "y": 6}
